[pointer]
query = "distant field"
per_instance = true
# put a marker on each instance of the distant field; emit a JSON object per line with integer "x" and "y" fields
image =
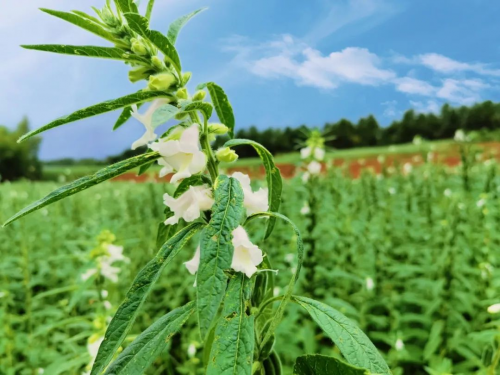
{"x": 68, "y": 173}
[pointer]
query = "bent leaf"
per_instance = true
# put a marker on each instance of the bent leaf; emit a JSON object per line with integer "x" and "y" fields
{"x": 82, "y": 22}
{"x": 98, "y": 109}
{"x": 149, "y": 9}
{"x": 178, "y": 24}
{"x": 86, "y": 51}
{"x": 222, "y": 105}
{"x": 127, "y": 6}
{"x": 85, "y": 183}
{"x": 217, "y": 250}
{"x": 232, "y": 349}
{"x": 137, "y": 294}
{"x": 139, "y": 355}
{"x": 273, "y": 177}
{"x": 354, "y": 345}
{"x": 204, "y": 107}
{"x": 278, "y": 315}
{"x": 123, "y": 118}
{"x": 141, "y": 26}
{"x": 316, "y": 364}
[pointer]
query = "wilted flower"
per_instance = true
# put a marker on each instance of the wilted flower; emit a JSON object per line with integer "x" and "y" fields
{"x": 181, "y": 155}
{"x": 253, "y": 201}
{"x": 314, "y": 168}
{"x": 494, "y": 309}
{"x": 147, "y": 120}
{"x": 246, "y": 257}
{"x": 190, "y": 204}
{"x": 305, "y": 177}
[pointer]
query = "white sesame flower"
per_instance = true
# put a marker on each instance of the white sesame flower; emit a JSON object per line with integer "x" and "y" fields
{"x": 108, "y": 271}
{"x": 305, "y": 152}
{"x": 182, "y": 156}
{"x": 391, "y": 191}
{"x": 191, "y": 350}
{"x": 381, "y": 159}
{"x": 431, "y": 156}
{"x": 147, "y": 120}
{"x": 480, "y": 203}
{"x": 305, "y": 209}
{"x": 370, "y": 284}
{"x": 319, "y": 153}
{"x": 107, "y": 305}
{"x": 447, "y": 193}
{"x": 407, "y": 168}
{"x": 2, "y": 294}
{"x": 305, "y": 177}
{"x": 246, "y": 257}
{"x": 40, "y": 371}
{"x": 400, "y": 345}
{"x": 253, "y": 201}
{"x": 290, "y": 257}
{"x": 314, "y": 168}
{"x": 276, "y": 291}
{"x": 104, "y": 293}
{"x": 190, "y": 204}
{"x": 460, "y": 136}
{"x": 494, "y": 309}
{"x": 116, "y": 254}
{"x": 93, "y": 346}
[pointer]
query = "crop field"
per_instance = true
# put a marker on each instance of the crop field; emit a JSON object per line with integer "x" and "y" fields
{"x": 412, "y": 257}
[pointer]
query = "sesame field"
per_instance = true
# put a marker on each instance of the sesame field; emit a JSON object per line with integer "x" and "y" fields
{"x": 412, "y": 255}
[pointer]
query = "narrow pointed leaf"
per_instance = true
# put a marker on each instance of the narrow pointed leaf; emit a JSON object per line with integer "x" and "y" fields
{"x": 149, "y": 9}
{"x": 141, "y": 353}
{"x": 354, "y": 345}
{"x": 176, "y": 26}
{"x": 127, "y": 6}
{"x": 98, "y": 109}
{"x": 232, "y": 349}
{"x": 82, "y": 22}
{"x": 217, "y": 250}
{"x": 86, "y": 182}
{"x": 222, "y": 106}
{"x": 316, "y": 364}
{"x": 123, "y": 118}
{"x": 137, "y": 294}
{"x": 273, "y": 177}
{"x": 204, "y": 107}
{"x": 86, "y": 51}
{"x": 278, "y": 315}
{"x": 141, "y": 26}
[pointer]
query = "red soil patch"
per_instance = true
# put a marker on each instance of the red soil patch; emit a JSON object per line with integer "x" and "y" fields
{"x": 353, "y": 167}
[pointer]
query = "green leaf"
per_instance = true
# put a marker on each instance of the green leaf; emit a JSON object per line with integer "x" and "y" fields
{"x": 435, "y": 339}
{"x": 354, "y": 345}
{"x": 82, "y": 22}
{"x": 204, "y": 107}
{"x": 137, "y": 294}
{"x": 217, "y": 250}
{"x": 139, "y": 355}
{"x": 86, "y": 51}
{"x": 149, "y": 9}
{"x": 98, "y": 109}
{"x": 141, "y": 26}
{"x": 222, "y": 105}
{"x": 125, "y": 116}
{"x": 273, "y": 177}
{"x": 232, "y": 349}
{"x": 144, "y": 168}
{"x": 85, "y": 183}
{"x": 178, "y": 24}
{"x": 163, "y": 114}
{"x": 127, "y": 6}
{"x": 195, "y": 180}
{"x": 316, "y": 364}
{"x": 278, "y": 315}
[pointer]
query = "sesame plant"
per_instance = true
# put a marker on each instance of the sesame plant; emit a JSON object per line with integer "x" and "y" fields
{"x": 236, "y": 312}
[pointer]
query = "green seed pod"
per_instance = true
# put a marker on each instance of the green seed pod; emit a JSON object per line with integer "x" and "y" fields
{"x": 181, "y": 116}
{"x": 182, "y": 93}
{"x": 138, "y": 74}
{"x": 218, "y": 129}
{"x": 161, "y": 82}
{"x": 186, "y": 76}
{"x": 199, "y": 95}
{"x": 157, "y": 63}
{"x": 226, "y": 155}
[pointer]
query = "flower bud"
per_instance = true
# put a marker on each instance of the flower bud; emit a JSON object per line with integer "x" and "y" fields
{"x": 138, "y": 47}
{"x": 182, "y": 93}
{"x": 199, "y": 95}
{"x": 218, "y": 129}
{"x": 186, "y": 76}
{"x": 161, "y": 82}
{"x": 138, "y": 74}
{"x": 226, "y": 155}
{"x": 157, "y": 63}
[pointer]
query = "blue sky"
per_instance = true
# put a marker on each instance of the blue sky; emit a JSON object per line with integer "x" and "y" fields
{"x": 282, "y": 63}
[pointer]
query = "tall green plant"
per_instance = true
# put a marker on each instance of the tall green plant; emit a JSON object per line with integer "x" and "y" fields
{"x": 234, "y": 306}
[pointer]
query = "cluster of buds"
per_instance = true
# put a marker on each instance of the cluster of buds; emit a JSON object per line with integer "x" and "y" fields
{"x": 313, "y": 154}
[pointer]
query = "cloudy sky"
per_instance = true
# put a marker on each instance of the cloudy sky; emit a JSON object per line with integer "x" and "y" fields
{"x": 282, "y": 63}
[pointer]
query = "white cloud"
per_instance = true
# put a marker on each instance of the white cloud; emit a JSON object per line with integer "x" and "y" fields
{"x": 465, "y": 92}
{"x": 429, "y": 106}
{"x": 391, "y": 109}
{"x": 411, "y": 85}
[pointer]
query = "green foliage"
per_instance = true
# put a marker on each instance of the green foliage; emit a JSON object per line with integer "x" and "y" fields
{"x": 18, "y": 160}
{"x": 222, "y": 105}
{"x": 176, "y": 26}
{"x": 322, "y": 365}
